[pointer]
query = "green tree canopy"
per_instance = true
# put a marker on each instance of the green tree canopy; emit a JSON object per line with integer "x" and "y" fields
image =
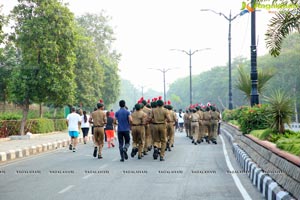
{"x": 45, "y": 37}
{"x": 97, "y": 27}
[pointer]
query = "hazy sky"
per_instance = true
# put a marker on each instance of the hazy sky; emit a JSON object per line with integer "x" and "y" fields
{"x": 146, "y": 30}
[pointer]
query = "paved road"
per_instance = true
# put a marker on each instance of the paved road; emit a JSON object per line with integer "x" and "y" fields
{"x": 190, "y": 172}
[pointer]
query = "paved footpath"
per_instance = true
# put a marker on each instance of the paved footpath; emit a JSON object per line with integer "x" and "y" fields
{"x": 13, "y": 149}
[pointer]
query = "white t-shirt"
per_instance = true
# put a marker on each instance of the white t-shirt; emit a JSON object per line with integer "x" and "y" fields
{"x": 180, "y": 119}
{"x": 73, "y": 119}
{"x": 85, "y": 124}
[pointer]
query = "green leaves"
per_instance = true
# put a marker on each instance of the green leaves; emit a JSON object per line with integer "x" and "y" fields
{"x": 284, "y": 23}
{"x": 104, "y": 76}
{"x": 244, "y": 81}
{"x": 280, "y": 109}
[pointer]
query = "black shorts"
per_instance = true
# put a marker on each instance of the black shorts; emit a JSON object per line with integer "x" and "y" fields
{"x": 85, "y": 131}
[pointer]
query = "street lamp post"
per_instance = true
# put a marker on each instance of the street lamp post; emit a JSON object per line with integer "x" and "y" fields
{"x": 229, "y": 19}
{"x": 254, "y": 97}
{"x": 190, "y": 53}
{"x": 164, "y": 78}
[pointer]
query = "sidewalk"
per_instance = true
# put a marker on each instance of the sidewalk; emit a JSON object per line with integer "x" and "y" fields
{"x": 38, "y": 143}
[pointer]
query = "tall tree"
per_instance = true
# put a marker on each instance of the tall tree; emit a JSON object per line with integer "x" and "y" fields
{"x": 89, "y": 73}
{"x": 8, "y": 61}
{"x": 285, "y": 22}
{"x": 45, "y": 37}
{"x": 97, "y": 27}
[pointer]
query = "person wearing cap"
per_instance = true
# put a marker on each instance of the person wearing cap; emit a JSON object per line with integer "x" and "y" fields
{"x": 123, "y": 119}
{"x": 171, "y": 126}
{"x": 215, "y": 117}
{"x": 201, "y": 126}
{"x": 159, "y": 116}
{"x": 148, "y": 138}
{"x": 99, "y": 120}
{"x": 153, "y": 105}
{"x": 139, "y": 118}
{"x": 206, "y": 122}
{"x": 194, "y": 118}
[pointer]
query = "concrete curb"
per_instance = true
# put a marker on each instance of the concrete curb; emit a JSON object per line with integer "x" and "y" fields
{"x": 264, "y": 183}
{"x": 34, "y": 150}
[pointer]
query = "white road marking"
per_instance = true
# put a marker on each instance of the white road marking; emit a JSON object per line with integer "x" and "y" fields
{"x": 236, "y": 179}
{"x": 66, "y": 189}
{"x": 103, "y": 166}
{"x": 115, "y": 159}
{"x": 87, "y": 176}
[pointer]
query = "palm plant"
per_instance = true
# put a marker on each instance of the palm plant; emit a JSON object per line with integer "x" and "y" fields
{"x": 280, "y": 109}
{"x": 244, "y": 81}
{"x": 281, "y": 25}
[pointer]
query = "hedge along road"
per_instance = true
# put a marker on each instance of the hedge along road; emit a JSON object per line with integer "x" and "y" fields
{"x": 190, "y": 172}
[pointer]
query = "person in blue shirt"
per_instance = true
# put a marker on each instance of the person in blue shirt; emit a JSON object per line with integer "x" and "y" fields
{"x": 123, "y": 120}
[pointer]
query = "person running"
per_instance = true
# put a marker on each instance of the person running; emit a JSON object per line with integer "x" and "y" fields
{"x": 110, "y": 130}
{"x": 85, "y": 126}
{"x": 123, "y": 120}
{"x": 180, "y": 116}
{"x": 98, "y": 118}
{"x": 73, "y": 123}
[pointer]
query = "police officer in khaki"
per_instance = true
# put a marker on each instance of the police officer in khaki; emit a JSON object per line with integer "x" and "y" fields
{"x": 148, "y": 138}
{"x": 215, "y": 117}
{"x": 185, "y": 121}
{"x": 138, "y": 131}
{"x": 201, "y": 127}
{"x": 98, "y": 118}
{"x": 207, "y": 123}
{"x": 194, "y": 118}
{"x": 158, "y": 118}
{"x": 171, "y": 126}
{"x": 151, "y": 126}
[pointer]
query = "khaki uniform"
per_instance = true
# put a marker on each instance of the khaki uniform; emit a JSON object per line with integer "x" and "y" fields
{"x": 201, "y": 126}
{"x": 194, "y": 118}
{"x": 138, "y": 130}
{"x": 186, "y": 123}
{"x": 171, "y": 129}
{"x": 148, "y": 136}
{"x": 206, "y": 122}
{"x": 159, "y": 116}
{"x": 215, "y": 117}
{"x": 99, "y": 120}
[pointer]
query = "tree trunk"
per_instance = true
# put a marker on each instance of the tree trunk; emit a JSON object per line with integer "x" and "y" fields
{"x": 25, "y": 114}
{"x": 41, "y": 110}
{"x": 54, "y": 113}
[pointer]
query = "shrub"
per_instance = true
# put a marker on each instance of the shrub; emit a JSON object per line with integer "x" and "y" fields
{"x": 257, "y": 133}
{"x": 280, "y": 109}
{"x": 41, "y": 125}
{"x": 9, "y": 127}
{"x": 60, "y": 124}
{"x": 234, "y": 114}
{"x": 253, "y": 118}
{"x": 10, "y": 116}
{"x": 266, "y": 134}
